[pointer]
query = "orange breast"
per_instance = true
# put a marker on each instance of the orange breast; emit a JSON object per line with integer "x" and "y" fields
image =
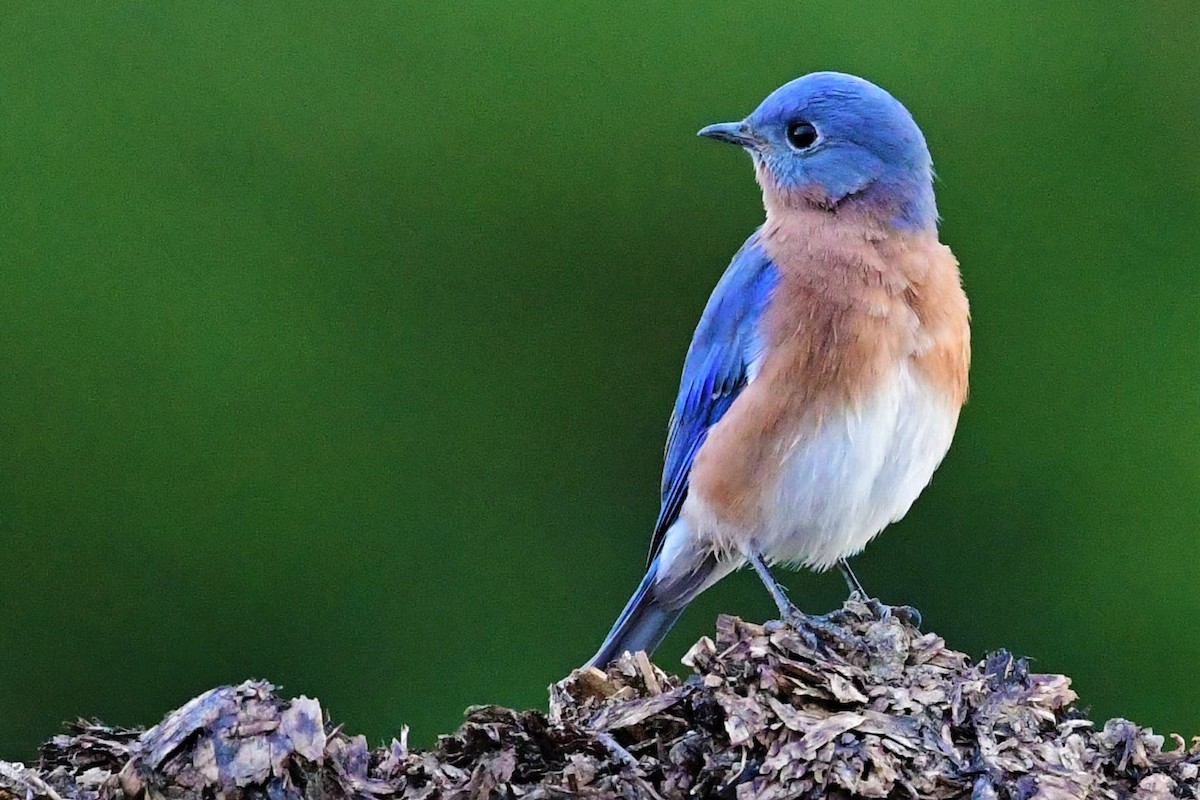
{"x": 853, "y": 301}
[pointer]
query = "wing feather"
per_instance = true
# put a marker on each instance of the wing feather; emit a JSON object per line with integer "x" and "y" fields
{"x": 718, "y": 366}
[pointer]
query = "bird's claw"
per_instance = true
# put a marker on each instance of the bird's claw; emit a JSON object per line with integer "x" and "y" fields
{"x": 884, "y": 612}
{"x": 821, "y": 634}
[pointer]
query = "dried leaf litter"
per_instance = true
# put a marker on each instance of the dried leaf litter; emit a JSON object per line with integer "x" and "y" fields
{"x": 886, "y": 712}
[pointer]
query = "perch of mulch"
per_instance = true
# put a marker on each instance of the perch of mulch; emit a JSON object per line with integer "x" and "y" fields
{"x": 888, "y": 712}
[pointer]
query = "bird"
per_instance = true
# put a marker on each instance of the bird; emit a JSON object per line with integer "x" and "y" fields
{"x": 825, "y": 378}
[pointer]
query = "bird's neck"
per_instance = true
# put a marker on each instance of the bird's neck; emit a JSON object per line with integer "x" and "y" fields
{"x": 799, "y": 224}
{"x": 903, "y": 208}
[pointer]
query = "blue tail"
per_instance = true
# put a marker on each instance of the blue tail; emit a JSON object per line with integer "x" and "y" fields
{"x": 660, "y": 599}
{"x": 643, "y": 623}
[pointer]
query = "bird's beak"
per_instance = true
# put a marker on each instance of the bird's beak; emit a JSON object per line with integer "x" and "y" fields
{"x": 738, "y": 133}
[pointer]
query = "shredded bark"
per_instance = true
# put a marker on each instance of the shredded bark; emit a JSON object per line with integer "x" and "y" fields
{"x": 884, "y": 712}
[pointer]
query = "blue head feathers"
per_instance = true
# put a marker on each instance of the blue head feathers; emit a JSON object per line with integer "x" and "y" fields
{"x": 829, "y": 138}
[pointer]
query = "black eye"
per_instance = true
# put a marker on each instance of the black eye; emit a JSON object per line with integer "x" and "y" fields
{"x": 801, "y": 135}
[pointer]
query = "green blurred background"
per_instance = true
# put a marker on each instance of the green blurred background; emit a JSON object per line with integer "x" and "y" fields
{"x": 338, "y": 340}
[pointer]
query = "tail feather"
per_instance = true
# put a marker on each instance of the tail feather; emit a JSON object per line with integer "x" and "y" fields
{"x": 654, "y": 608}
{"x": 642, "y": 625}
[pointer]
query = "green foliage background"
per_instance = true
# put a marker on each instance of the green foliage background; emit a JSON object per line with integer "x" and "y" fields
{"x": 338, "y": 340}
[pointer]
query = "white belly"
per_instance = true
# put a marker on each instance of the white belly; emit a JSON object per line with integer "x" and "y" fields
{"x": 859, "y": 471}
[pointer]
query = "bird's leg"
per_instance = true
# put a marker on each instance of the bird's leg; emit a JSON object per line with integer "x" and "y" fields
{"x": 857, "y": 592}
{"x": 786, "y": 607}
{"x": 818, "y": 632}
{"x": 859, "y": 595}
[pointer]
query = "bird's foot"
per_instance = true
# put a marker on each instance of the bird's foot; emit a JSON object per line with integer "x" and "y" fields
{"x": 822, "y": 634}
{"x": 818, "y": 633}
{"x": 884, "y": 612}
{"x": 881, "y": 612}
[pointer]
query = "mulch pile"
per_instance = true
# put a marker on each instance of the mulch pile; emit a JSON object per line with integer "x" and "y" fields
{"x": 885, "y": 712}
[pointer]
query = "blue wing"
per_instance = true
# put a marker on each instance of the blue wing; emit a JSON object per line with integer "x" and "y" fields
{"x": 723, "y": 347}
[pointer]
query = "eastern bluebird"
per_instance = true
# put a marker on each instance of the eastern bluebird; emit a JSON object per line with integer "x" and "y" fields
{"x": 823, "y": 383}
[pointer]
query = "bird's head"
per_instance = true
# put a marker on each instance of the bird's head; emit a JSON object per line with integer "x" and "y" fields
{"x": 828, "y": 140}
